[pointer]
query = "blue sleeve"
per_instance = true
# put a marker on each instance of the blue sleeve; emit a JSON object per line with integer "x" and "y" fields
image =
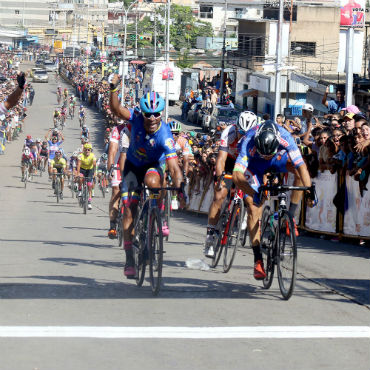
{"x": 288, "y": 143}
{"x": 241, "y": 163}
{"x": 332, "y": 106}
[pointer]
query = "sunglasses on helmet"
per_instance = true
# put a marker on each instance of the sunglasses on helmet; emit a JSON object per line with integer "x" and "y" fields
{"x": 155, "y": 115}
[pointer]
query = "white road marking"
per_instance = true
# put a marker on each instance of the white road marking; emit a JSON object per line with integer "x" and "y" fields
{"x": 165, "y": 332}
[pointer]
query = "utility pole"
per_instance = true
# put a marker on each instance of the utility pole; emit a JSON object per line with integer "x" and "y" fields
{"x": 103, "y": 50}
{"x": 287, "y": 72}
{"x": 168, "y": 55}
{"x": 349, "y": 64}
{"x": 155, "y": 35}
{"x": 136, "y": 33}
{"x": 73, "y": 30}
{"x": 223, "y": 58}
{"x": 278, "y": 60}
{"x": 87, "y": 39}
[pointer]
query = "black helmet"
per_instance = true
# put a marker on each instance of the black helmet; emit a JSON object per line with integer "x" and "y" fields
{"x": 267, "y": 138}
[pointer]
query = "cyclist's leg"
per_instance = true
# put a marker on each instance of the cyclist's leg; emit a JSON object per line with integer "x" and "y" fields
{"x": 114, "y": 203}
{"x": 219, "y": 196}
{"x": 61, "y": 181}
{"x": 296, "y": 195}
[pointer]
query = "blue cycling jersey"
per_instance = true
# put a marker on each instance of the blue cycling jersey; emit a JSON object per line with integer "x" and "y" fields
{"x": 254, "y": 166}
{"x": 146, "y": 148}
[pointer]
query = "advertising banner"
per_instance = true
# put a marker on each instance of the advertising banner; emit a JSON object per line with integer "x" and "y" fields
{"x": 323, "y": 216}
{"x": 357, "y": 216}
{"x": 352, "y": 13}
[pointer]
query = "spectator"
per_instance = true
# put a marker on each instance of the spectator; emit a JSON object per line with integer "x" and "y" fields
{"x": 334, "y": 106}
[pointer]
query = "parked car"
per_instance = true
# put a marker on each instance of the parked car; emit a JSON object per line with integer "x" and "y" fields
{"x": 40, "y": 75}
{"x": 223, "y": 114}
{"x": 39, "y": 63}
{"x": 193, "y": 112}
{"x": 50, "y": 66}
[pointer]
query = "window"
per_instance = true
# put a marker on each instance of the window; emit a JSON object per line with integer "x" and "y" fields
{"x": 238, "y": 12}
{"x": 16, "y": 11}
{"x": 303, "y": 48}
{"x": 205, "y": 11}
{"x": 271, "y": 11}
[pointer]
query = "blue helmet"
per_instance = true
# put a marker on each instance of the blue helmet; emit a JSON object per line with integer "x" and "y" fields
{"x": 152, "y": 103}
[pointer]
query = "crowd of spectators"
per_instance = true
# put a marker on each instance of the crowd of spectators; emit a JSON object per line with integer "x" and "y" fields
{"x": 11, "y": 123}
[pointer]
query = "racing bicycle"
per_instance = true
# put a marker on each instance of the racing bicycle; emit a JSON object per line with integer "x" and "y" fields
{"x": 278, "y": 240}
{"x": 148, "y": 239}
{"x": 230, "y": 234}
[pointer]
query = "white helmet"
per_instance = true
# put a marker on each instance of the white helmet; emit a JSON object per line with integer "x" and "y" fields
{"x": 75, "y": 154}
{"x": 27, "y": 151}
{"x": 246, "y": 121}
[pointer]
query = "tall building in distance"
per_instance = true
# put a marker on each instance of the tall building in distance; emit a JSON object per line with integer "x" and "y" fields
{"x": 24, "y": 14}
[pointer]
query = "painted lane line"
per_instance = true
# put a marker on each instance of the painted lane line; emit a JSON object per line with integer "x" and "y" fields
{"x": 185, "y": 332}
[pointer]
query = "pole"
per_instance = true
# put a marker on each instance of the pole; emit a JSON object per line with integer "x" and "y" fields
{"x": 136, "y": 34}
{"x": 278, "y": 60}
{"x": 73, "y": 30}
{"x": 223, "y": 57}
{"x": 349, "y": 64}
{"x": 103, "y": 50}
{"x": 87, "y": 39}
{"x": 155, "y": 35}
{"x": 365, "y": 51}
{"x": 288, "y": 73}
{"x": 124, "y": 60}
{"x": 168, "y": 55}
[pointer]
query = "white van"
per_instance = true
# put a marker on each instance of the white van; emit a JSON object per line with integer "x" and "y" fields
{"x": 153, "y": 80}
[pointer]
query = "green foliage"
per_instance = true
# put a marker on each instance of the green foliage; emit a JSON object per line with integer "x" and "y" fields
{"x": 184, "y": 29}
{"x": 184, "y": 61}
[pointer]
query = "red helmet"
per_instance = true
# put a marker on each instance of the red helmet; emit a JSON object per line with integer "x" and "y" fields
{"x": 29, "y": 137}
{"x": 108, "y": 129}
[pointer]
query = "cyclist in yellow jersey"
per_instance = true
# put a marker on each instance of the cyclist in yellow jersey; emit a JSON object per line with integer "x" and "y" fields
{"x": 58, "y": 165}
{"x": 86, "y": 168}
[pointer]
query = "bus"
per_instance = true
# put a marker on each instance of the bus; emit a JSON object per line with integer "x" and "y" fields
{"x": 154, "y": 82}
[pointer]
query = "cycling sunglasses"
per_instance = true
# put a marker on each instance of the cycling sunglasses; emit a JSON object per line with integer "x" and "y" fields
{"x": 155, "y": 115}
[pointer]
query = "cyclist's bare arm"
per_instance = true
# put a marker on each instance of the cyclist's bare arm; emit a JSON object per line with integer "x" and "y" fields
{"x": 13, "y": 98}
{"x": 122, "y": 160}
{"x": 114, "y": 103}
{"x": 175, "y": 171}
{"x": 113, "y": 147}
{"x": 220, "y": 162}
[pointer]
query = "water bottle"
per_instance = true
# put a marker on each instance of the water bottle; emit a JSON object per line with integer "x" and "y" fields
{"x": 174, "y": 203}
{"x": 273, "y": 224}
{"x": 196, "y": 264}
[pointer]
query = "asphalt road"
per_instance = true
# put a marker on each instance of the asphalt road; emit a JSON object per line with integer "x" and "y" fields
{"x": 65, "y": 303}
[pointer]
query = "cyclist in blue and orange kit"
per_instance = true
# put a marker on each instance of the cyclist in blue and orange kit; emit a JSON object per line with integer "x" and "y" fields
{"x": 151, "y": 148}
{"x": 269, "y": 148}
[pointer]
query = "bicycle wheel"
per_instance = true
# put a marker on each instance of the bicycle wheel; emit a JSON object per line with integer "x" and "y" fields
{"x": 155, "y": 247}
{"x": 218, "y": 252}
{"x": 167, "y": 210}
{"x": 286, "y": 256}
{"x": 267, "y": 247}
{"x": 25, "y": 177}
{"x": 140, "y": 252}
{"x": 101, "y": 185}
{"x": 119, "y": 227}
{"x": 85, "y": 197}
{"x": 57, "y": 188}
{"x": 234, "y": 234}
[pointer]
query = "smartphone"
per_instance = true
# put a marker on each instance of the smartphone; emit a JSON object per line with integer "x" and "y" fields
{"x": 331, "y": 89}
{"x": 298, "y": 140}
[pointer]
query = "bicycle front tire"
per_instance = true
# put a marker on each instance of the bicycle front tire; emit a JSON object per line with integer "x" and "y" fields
{"x": 85, "y": 198}
{"x": 155, "y": 248}
{"x": 234, "y": 235}
{"x": 267, "y": 247}
{"x": 57, "y": 188}
{"x": 287, "y": 256}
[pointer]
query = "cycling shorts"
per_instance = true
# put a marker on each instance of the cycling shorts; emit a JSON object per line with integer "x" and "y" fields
{"x": 257, "y": 167}
{"x": 133, "y": 177}
{"x": 102, "y": 169}
{"x": 117, "y": 178}
{"x": 229, "y": 165}
{"x": 87, "y": 173}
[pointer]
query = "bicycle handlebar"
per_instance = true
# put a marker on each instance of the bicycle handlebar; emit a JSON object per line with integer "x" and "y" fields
{"x": 281, "y": 188}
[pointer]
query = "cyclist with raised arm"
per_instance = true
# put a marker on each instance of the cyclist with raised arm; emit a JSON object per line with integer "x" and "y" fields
{"x": 151, "y": 146}
{"x": 269, "y": 148}
{"x": 228, "y": 152}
